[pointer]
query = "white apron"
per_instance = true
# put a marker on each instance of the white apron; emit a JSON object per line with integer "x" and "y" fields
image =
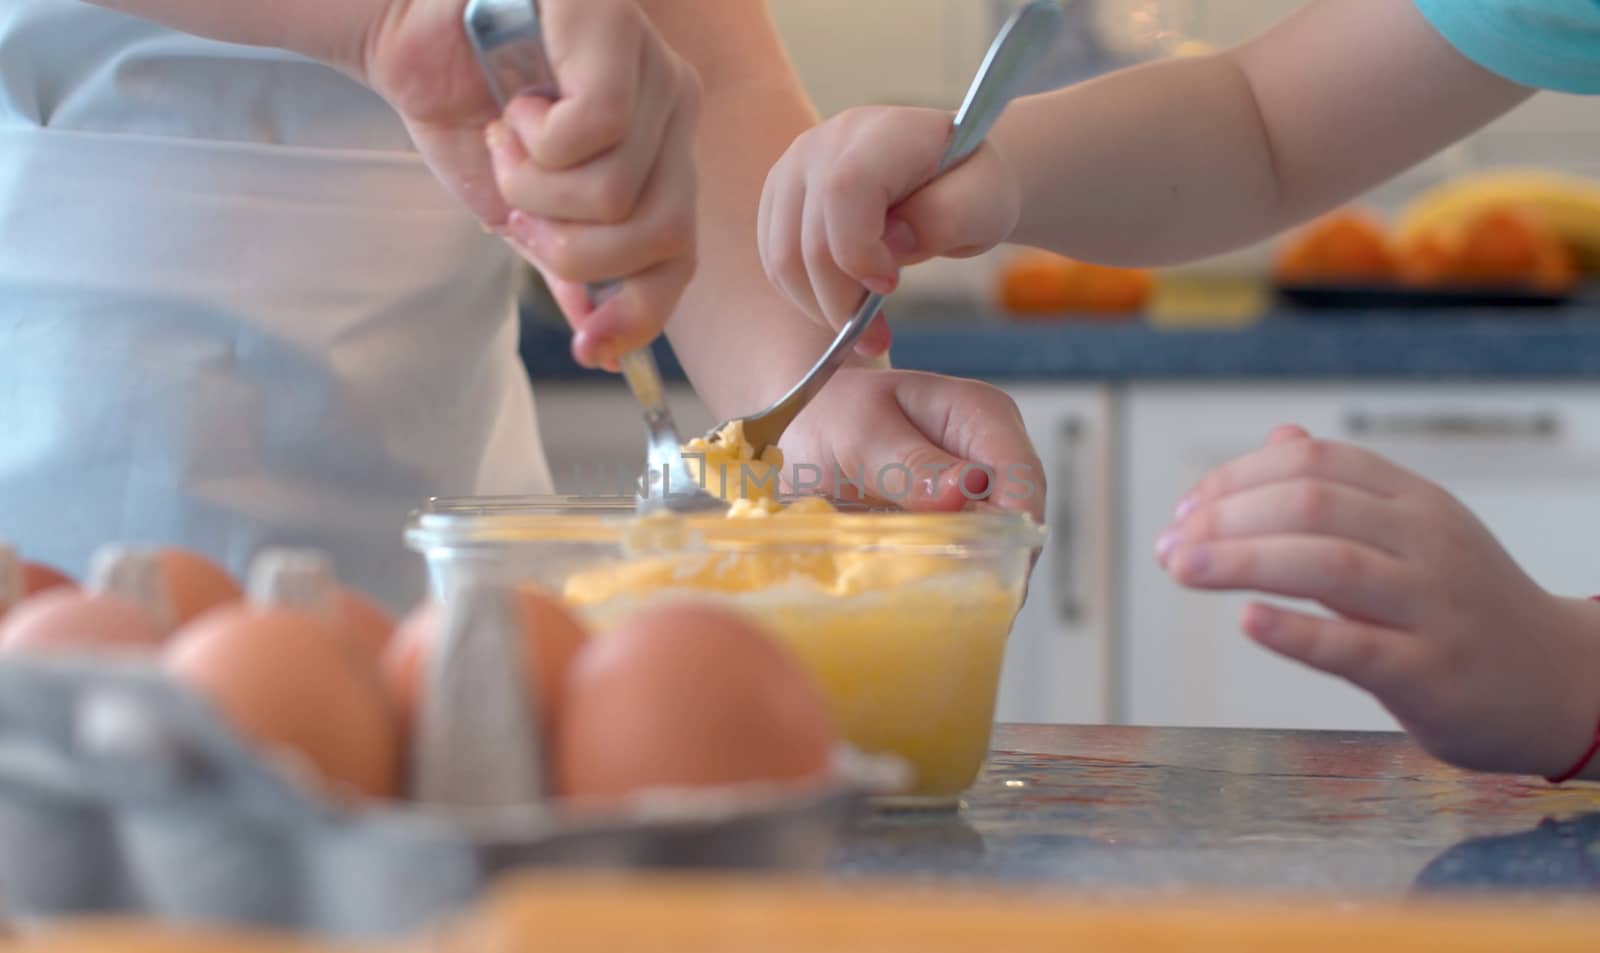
{"x": 236, "y": 310}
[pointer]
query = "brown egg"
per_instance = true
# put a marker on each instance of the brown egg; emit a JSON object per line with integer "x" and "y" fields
{"x": 365, "y": 621}
{"x": 551, "y": 633}
{"x": 19, "y": 579}
{"x": 195, "y": 583}
{"x": 688, "y": 695}
{"x": 67, "y": 620}
{"x": 122, "y": 610}
{"x": 286, "y": 681}
{"x": 305, "y": 580}
{"x": 38, "y": 577}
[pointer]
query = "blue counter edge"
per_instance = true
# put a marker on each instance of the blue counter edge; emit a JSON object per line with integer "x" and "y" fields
{"x": 1540, "y": 344}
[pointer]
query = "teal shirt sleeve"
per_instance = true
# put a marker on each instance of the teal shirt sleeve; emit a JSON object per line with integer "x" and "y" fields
{"x": 1543, "y": 44}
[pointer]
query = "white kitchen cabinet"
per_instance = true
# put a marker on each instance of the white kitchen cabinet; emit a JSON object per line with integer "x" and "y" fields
{"x": 1058, "y": 662}
{"x": 1525, "y": 458}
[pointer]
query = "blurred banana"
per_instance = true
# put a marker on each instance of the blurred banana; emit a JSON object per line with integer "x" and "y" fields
{"x": 1568, "y": 204}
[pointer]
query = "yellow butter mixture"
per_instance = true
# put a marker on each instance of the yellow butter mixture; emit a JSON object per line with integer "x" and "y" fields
{"x": 906, "y": 641}
{"x": 729, "y": 467}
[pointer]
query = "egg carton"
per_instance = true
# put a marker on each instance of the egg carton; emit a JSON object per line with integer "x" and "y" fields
{"x": 122, "y": 792}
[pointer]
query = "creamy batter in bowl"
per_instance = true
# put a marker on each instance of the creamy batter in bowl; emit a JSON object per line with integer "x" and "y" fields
{"x": 902, "y": 618}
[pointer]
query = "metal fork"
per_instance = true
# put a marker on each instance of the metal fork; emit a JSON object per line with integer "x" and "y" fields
{"x": 1016, "y": 50}
{"x": 508, "y": 39}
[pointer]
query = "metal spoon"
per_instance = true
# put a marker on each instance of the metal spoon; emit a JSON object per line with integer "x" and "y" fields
{"x": 508, "y": 39}
{"x": 1021, "y": 43}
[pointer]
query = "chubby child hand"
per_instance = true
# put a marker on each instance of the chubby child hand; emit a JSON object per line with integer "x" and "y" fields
{"x": 1484, "y": 668}
{"x": 851, "y": 203}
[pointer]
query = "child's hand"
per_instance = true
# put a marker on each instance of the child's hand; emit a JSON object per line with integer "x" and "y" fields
{"x": 1487, "y": 670}
{"x": 599, "y": 185}
{"x": 924, "y": 442}
{"x": 850, "y": 203}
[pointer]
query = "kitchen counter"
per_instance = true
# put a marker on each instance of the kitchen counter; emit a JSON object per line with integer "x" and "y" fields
{"x": 1259, "y": 812}
{"x": 1536, "y": 344}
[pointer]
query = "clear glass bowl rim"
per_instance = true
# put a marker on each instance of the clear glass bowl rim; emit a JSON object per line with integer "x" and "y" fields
{"x": 554, "y": 520}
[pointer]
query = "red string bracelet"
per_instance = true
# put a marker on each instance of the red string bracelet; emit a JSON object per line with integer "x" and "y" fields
{"x": 1588, "y": 756}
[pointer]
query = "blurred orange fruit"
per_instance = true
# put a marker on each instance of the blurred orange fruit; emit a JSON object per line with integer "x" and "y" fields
{"x": 1429, "y": 260}
{"x": 1501, "y": 246}
{"x": 1348, "y": 246}
{"x": 1034, "y": 282}
{"x": 1044, "y": 283}
{"x": 1508, "y": 246}
{"x": 1105, "y": 290}
{"x": 1558, "y": 270}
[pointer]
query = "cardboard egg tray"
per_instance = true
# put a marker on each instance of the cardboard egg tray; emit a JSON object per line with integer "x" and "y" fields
{"x": 121, "y": 792}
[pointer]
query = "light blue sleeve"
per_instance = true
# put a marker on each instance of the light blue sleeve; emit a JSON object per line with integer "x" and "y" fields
{"x": 1544, "y": 44}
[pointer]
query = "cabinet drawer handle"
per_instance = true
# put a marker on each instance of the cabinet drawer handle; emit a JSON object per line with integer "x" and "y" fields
{"x": 1452, "y": 424}
{"x": 1063, "y": 523}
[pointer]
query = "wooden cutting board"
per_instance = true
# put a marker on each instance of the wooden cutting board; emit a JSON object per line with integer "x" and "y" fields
{"x": 567, "y": 913}
{"x": 126, "y": 935}
{"x": 563, "y": 913}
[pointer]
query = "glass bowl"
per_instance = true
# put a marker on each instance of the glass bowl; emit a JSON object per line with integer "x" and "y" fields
{"x": 901, "y": 618}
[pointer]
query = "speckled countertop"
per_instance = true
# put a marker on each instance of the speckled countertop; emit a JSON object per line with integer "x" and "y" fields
{"x": 1200, "y": 809}
{"x": 1536, "y": 344}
